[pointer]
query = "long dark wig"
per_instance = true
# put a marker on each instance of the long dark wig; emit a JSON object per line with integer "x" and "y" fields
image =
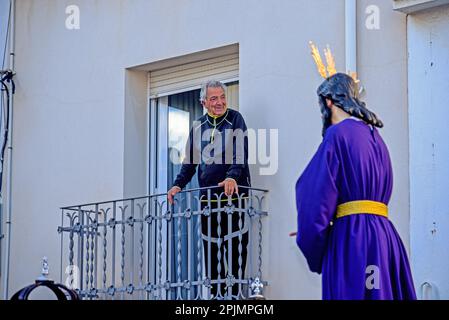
{"x": 342, "y": 90}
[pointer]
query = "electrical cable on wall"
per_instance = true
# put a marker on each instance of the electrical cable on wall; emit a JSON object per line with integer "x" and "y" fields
{"x": 4, "y": 114}
{"x": 7, "y": 78}
{"x": 7, "y": 87}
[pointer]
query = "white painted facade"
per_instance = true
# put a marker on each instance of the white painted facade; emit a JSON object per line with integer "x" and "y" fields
{"x": 81, "y": 108}
{"x": 429, "y": 150}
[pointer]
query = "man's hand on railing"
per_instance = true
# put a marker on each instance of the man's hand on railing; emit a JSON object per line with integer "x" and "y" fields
{"x": 230, "y": 186}
{"x": 172, "y": 192}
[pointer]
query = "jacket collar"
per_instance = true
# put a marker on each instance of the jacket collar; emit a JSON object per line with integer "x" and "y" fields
{"x": 211, "y": 118}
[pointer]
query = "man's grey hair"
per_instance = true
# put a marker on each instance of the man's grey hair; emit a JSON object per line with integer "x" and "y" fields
{"x": 210, "y": 84}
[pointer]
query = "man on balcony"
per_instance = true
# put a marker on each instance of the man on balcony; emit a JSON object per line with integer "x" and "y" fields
{"x": 218, "y": 146}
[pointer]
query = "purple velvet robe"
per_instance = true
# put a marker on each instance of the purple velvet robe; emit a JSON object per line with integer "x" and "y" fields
{"x": 360, "y": 256}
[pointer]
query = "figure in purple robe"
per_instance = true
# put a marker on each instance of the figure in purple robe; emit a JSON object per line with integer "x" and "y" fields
{"x": 359, "y": 254}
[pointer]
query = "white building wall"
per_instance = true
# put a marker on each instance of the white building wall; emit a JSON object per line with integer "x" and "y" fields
{"x": 72, "y": 145}
{"x": 429, "y": 150}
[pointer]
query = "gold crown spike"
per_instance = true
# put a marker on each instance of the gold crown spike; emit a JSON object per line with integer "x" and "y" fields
{"x": 331, "y": 69}
{"x": 330, "y": 62}
{"x": 317, "y": 57}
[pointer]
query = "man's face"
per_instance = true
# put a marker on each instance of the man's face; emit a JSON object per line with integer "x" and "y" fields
{"x": 215, "y": 102}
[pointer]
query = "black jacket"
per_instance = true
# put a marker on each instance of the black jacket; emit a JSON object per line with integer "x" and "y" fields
{"x": 219, "y": 147}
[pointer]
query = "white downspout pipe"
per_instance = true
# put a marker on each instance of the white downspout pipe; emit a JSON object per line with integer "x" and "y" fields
{"x": 351, "y": 35}
{"x": 9, "y": 158}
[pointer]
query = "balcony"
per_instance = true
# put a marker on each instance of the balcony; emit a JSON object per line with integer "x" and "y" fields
{"x": 204, "y": 246}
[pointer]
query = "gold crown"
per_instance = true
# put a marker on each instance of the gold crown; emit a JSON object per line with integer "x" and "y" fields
{"x": 330, "y": 70}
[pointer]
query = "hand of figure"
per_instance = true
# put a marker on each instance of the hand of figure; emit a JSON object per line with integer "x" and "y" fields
{"x": 230, "y": 186}
{"x": 293, "y": 234}
{"x": 172, "y": 192}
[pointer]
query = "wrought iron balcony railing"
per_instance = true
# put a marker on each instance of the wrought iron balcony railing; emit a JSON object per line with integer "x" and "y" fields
{"x": 203, "y": 246}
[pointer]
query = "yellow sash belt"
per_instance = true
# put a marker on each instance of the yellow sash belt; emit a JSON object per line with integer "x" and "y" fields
{"x": 362, "y": 207}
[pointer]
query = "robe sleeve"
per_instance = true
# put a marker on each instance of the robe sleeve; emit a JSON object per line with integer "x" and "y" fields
{"x": 316, "y": 202}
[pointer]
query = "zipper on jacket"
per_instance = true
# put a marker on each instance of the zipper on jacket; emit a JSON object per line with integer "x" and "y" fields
{"x": 212, "y": 136}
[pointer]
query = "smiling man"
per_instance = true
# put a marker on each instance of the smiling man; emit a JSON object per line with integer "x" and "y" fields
{"x": 218, "y": 146}
{"x": 222, "y": 162}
